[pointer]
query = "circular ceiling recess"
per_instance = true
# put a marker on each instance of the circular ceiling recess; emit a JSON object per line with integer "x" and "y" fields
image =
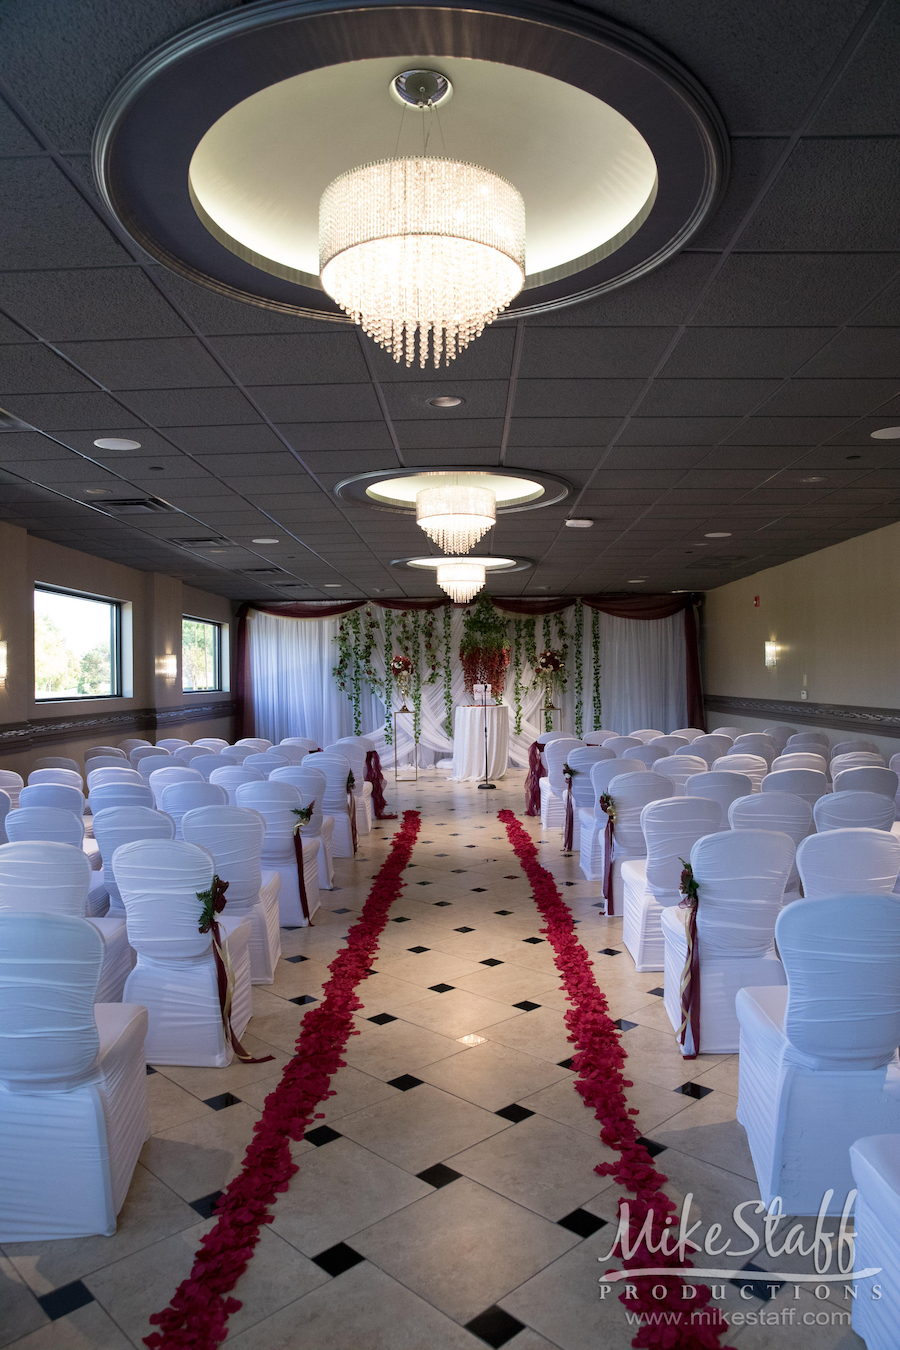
{"x": 214, "y": 152}
{"x": 490, "y": 564}
{"x": 395, "y": 489}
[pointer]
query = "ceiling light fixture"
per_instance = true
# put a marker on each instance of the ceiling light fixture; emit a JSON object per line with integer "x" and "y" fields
{"x": 637, "y": 581}
{"x": 422, "y": 251}
{"x": 115, "y": 443}
{"x": 886, "y": 434}
{"x": 576, "y": 523}
{"x": 332, "y": 585}
{"x": 264, "y": 541}
{"x": 445, "y": 401}
{"x": 456, "y": 515}
{"x": 718, "y": 534}
{"x": 461, "y": 580}
{"x": 96, "y": 492}
{"x": 814, "y": 479}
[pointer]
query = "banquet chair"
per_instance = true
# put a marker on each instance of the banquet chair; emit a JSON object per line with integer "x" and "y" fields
{"x": 5, "y": 808}
{"x": 266, "y": 761}
{"x": 720, "y": 787}
{"x": 867, "y": 778}
{"x": 172, "y": 743}
{"x": 178, "y": 798}
{"x": 810, "y": 784}
{"x": 173, "y": 773}
{"x": 294, "y": 754}
{"x": 57, "y": 825}
{"x": 619, "y": 744}
{"x": 592, "y": 819}
{"x": 131, "y": 743}
{"x": 111, "y": 773}
{"x": 708, "y": 748}
{"x": 851, "y": 746}
{"x": 257, "y": 743}
{"x": 69, "y": 777}
{"x": 818, "y": 1058}
{"x": 741, "y": 876}
{"x": 57, "y": 762}
{"x": 647, "y": 753}
{"x": 238, "y": 753}
{"x": 678, "y": 769}
{"x": 595, "y": 737}
{"x": 755, "y": 743}
{"x": 335, "y": 802}
{"x": 11, "y": 783}
{"x": 214, "y": 743}
{"x": 206, "y": 765}
{"x": 123, "y": 824}
{"x": 105, "y": 795}
{"x": 303, "y": 742}
{"x": 553, "y": 787}
{"x": 581, "y": 761}
{"x": 234, "y": 837}
{"x": 311, "y": 784}
{"x": 800, "y": 759}
{"x": 808, "y": 740}
{"x": 53, "y": 794}
{"x": 689, "y": 733}
{"x": 875, "y": 1165}
{"x": 856, "y": 759}
{"x": 275, "y": 802}
{"x": 780, "y": 732}
{"x": 753, "y": 766}
{"x": 547, "y": 736}
{"x": 362, "y": 747}
{"x": 44, "y": 877}
{"x": 152, "y": 764}
{"x": 73, "y": 1083}
{"x": 670, "y": 743}
{"x": 175, "y": 975}
{"x": 646, "y": 735}
{"x": 147, "y": 752}
{"x": 230, "y": 777}
{"x": 630, "y": 794}
{"x": 731, "y": 732}
{"x": 858, "y": 861}
{"x": 783, "y": 812}
{"x": 188, "y": 753}
{"x": 893, "y": 765}
{"x": 606, "y": 735}
{"x": 94, "y": 762}
{"x": 671, "y": 827}
{"x": 854, "y": 810}
{"x": 111, "y": 750}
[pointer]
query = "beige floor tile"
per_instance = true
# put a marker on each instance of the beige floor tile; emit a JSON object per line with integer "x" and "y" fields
{"x": 528, "y": 1340}
{"x": 20, "y": 1312}
{"x": 429, "y": 968}
{"x": 562, "y": 1301}
{"x": 170, "y": 1104}
{"x": 653, "y": 1056}
{"x": 341, "y": 1188}
{"x": 421, "y": 1127}
{"x": 202, "y": 1155}
{"x": 723, "y": 1075}
{"x": 87, "y": 1328}
{"x": 205, "y": 1083}
{"x": 458, "y": 1012}
{"x": 363, "y": 1309}
{"x": 541, "y": 1033}
{"x": 353, "y": 1090}
{"x": 708, "y": 1129}
{"x": 506, "y": 983}
{"x": 492, "y": 1075}
{"x": 398, "y": 1047}
{"x": 561, "y": 1102}
{"x": 487, "y": 1246}
{"x": 791, "y": 1329}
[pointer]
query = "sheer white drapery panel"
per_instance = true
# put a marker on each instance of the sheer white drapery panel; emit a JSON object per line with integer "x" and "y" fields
{"x": 644, "y": 672}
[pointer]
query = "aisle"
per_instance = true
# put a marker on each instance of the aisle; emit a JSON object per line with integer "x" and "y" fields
{"x": 447, "y": 1200}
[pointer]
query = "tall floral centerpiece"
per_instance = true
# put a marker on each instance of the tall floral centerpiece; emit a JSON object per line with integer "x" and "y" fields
{"x": 484, "y": 650}
{"x": 551, "y": 665}
{"x": 401, "y": 669}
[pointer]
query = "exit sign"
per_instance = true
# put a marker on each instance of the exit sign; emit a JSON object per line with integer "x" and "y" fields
{"x": 756, "y": 602}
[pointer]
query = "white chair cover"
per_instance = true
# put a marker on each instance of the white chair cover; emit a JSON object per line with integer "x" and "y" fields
{"x": 595, "y": 737}
{"x": 854, "y": 810}
{"x": 105, "y": 795}
{"x": 188, "y": 753}
{"x": 5, "y": 808}
{"x": 58, "y": 762}
{"x": 175, "y": 976}
{"x": 214, "y": 743}
{"x": 648, "y": 754}
{"x": 865, "y": 862}
{"x": 848, "y": 747}
{"x": 547, "y": 736}
{"x": 68, "y": 777}
{"x": 123, "y": 824}
{"x": 353, "y": 748}
{"x": 755, "y": 743}
{"x": 294, "y": 754}
{"x": 53, "y": 794}
{"x": 780, "y": 811}
{"x": 160, "y": 779}
{"x": 809, "y": 784}
{"x": 178, "y": 798}
{"x": 646, "y": 735}
{"x": 671, "y": 828}
{"x": 630, "y": 794}
{"x": 553, "y": 787}
{"x": 818, "y": 1064}
{"x": 111, "y": 751}
{"x": 112, "y": 774}
{"x": 275, "y": 802}
{"x": 780, "y": 733}
{"x": 147, "y": 752}
{"x": 46, "y": 822}
{"x": 257, "y": 743}
{"x": 856, "y": 759}
{"x": 754, "y": 766}
{"x": 689, "y": 733}
{"x": 867, "y": 778}
{"x": 238, "y": 753}
{"x": 581, "y": 760}
{"x": 206, "y": 765}
{"x": 672, "y": 743}
{"x": 230, "y": 778}
{"x": 719, "y": 786}
{"x": 708, "y": 748}
{"x": 894, "y": 765}
{"x": 592, "y": 819}
{"x": 172, "y": 743}
{"x": 45, "y": 877}
{"x": 741, "y": 876}
{"x": 875, "y": 1164}
{"x": 151, "y": 764}
{"x": 303, "y": 742}
{"x": 678, "y": 769}
{"x": 800, "y": 759}
{"x": 131, "y": 743}
{"x": 234, "y": 837}
{"x": 618, "y": 744}
{"x": 807, "y": 740}
{"x": 95, "y": 762}
{"x": 311, "y": 784}
{"x": 335, "y": 768}
{"x": 11, "y": 783}
{"x": 266, "y": 762}
{"x": 73, "y": 1083}
{"x": 731, "y": 732}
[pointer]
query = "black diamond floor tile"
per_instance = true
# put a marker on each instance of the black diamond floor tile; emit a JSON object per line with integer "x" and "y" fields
{"x": 439, "y": 1175}
{"x": 652, "y": 1147}
{"x": 442, "y": 904}
{"x": 526, "y": 1005}
{"x": 476, "y": 890}
{"x": 400, "y": 919}
{"x": 503, "y": 912}
{"x": 697, "y": 1090}
{"x": 495, "y": 1327}
{"x": 64, "y": 1300}
{"x": 514, "y": 1113}
{"x": 337, "y": 1259}
{"x": 291, "y": 927}
{"x": 222, "y": 1100}
{"x": 418, "y": 950}
{"x": 533, "y": 941}
{"x": 303, "y": 998}
{"x": 423, "y": 883}
{"x": 340, "y": 911}
{"x": 510, "y": 876}
{"x": 580, "y": 1222}
{"x": 464, "y": 929}
{"x": 764, "y": 1289}
{"x": 624, "y": 1025}
{"x": 322, "y": 1134}
{"x": 491, "y": 961}
{"x": 295, "y": 959}
{"x": 658, "y": 991}
{"x": 206, "y": 1205}
{"x": 610, "y": 951}
{"x": 566, "y": 1063}
{"x": 150, "y": 1069}
{"x": 457, "y": 870}
{"x": 441, "y": 988}
{"x": 405, "y": 1083}
{"x": 382, "y": 1019}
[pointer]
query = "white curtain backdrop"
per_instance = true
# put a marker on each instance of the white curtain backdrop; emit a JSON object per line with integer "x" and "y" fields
{"x": 643, "y": 684}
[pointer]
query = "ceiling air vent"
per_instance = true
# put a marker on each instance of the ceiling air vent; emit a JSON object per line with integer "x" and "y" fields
{"x": 199, "y": 541}
{"x": 135, "y": 506}
{"x": 263, "y": 571}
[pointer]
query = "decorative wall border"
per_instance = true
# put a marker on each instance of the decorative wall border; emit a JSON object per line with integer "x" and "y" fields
{"x": 18, "y": 736}
{"x": 880, "y": 721}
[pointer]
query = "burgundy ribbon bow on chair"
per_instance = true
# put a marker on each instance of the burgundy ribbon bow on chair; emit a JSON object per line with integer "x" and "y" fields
{"x": 607, "y": 804}
{"x": 689, "y": 987}
{"x": 351, "y": 811}
{"x": 569, "y": 830}
{"x": 376, "y": 778}
{"x": 536, "y": 771}
{"x": 298, "y": 854}
{"x": 213, "y": 904}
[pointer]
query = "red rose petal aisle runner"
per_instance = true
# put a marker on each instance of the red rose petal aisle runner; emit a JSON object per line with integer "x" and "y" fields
{"x": 199, "y": 1311}
{"x": 598, "y": 1064}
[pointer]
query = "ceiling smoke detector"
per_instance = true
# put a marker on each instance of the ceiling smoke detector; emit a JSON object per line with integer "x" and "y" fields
{"x": 578, "y": 523}
{"x": 116, "y": 443}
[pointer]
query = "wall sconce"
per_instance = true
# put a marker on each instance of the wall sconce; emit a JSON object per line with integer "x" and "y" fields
{"x": 167, "y": 666}
{"x": 771, "y": 653}
{"x": 4, "y": 663}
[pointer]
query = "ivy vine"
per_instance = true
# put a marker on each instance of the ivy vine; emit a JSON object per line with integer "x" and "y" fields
{"x": 579, "y": 668}
{"x": 518, "y": 644}
{"x": 448, "y": 672}
{"x": 595, "y": 668}
{"x": 356, "y": 675}
{"x": 416, "y": 676}
{"x": 387, "y": 697}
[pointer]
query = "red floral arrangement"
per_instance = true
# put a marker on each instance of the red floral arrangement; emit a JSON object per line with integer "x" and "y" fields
{"x": 400, "y": 665}
{"x": 551, "y": 661}
{"x": 484, "y": 650}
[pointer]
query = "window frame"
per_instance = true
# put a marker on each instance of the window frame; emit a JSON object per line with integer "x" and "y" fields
{"x": 219, "y": 686}
{"x": 115, "y": 645}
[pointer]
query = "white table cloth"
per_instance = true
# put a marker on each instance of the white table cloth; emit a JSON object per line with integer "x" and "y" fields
{"x": 468, "y": 742}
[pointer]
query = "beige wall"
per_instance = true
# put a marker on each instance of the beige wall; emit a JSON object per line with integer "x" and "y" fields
{"x": 835, "y": 616}
{"x": 156, "y": 606}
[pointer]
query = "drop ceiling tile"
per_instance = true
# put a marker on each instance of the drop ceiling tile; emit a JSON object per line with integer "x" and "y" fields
{"x": 795, "y": 289}
{"x": 268, "y": 486}
{"x": 372, "y": 436}
{"x": 11, "y": 332}
{"x": 51, "y": 411}
{"x": 784, "y": 431}
{"x": 407, "y": 401}
{"x": 834, "y": 398}
{"x": 751, "y": 160}
{"x": 592, "y": 353}
{"x": 575, "y": 398}
{"x": 661, "y": 299}
{"x": 435, "y": 459}
{"x": 317, "y": 402}
{"x": 647, "y": 480}
{"x": 562, "y": 431}
{"x": 96, "y": 303}
{"x": 148, "y": 363}
{"x": 277, "y": 460}
{"x": 45, "y": 222}
{"x": 749, "y": 457}
{"x": 216, "y": 314}
{"x": 651, "y": 431}
{"x": 654, "y": 457}
{"x": 705, "y": 398}
{"x": 180, "y": 408}
{"x": 471, "y": 433}
{"x": 332, "y": 357}
{"x": 868, "y": 353}
{"x": 740, "y": 353}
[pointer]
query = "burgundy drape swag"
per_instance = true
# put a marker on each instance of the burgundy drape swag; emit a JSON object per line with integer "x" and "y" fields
{"x": 646, "y": 607}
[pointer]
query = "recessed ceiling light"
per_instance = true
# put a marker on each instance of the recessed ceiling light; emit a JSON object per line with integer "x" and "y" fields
{"x": 445, "y": 401}
{"x": 577, "y": 523}
{"x": 333, "y": 585}
{"x": 812, "y": 480}
{"x": 157, "y": 468}
{"x": 264, "y": 541}
{"x": 115, "y": 443}
{"x": 96, "y": 492}
{"x": 853, "y": 456}
{"x": 718, "y": 534}
{"x": 886, "y": 434}
{"x": 637, "y": 581}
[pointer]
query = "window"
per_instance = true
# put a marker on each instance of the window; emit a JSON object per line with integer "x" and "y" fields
{"x": 201, "y": 655}
{"x": 77, "y": 646}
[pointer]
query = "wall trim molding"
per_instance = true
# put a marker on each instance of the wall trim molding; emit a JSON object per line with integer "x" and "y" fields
{"x": 880, "y": 721}
{"x": 18, "y": 736}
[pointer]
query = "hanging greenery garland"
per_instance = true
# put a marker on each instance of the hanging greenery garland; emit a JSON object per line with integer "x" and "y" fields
{"x": 484, "y": 650}
{"x": 429, "y": 635}
{"x": 341, "y": 671}
{"x": 518, "y": 644}
{"x": 415, "y": 654}
{"x": 369, "y": 643}
{"x": 562, "y": 637}
{"x": 579, "y": 668}
{"x": 448, "y": 673}
{"x": 387, "y": 697}
{"x": 356, "y": 676}
{"x": 595, "y": 667}
{"x": 530, "y": 631}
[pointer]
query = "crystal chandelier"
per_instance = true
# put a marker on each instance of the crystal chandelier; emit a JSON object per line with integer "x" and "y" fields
{"x": 461, "y": 580}
{"x": 456, "y": 516}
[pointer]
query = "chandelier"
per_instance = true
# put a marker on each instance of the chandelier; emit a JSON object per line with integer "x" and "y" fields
{"x": 456, "y": 516}
{"x": 422, "y": 250}
{"x": 461, "y": 580}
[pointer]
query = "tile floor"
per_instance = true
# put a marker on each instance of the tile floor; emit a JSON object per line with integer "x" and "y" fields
{"x": 448, "y": 1200}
